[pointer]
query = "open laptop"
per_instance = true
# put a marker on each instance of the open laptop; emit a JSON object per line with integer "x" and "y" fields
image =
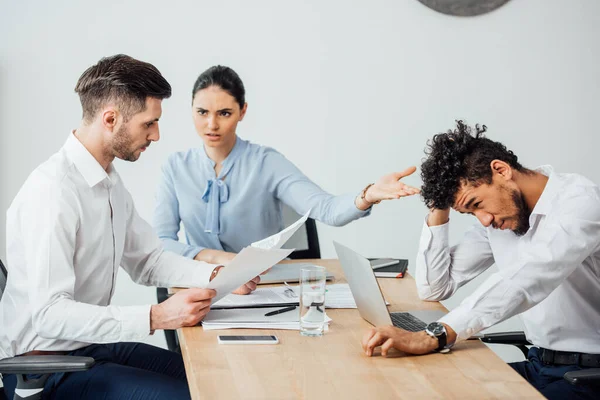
{"x": 369, "y": 299}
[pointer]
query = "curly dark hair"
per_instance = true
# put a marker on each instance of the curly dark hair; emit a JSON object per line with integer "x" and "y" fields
{"x": 457, "y": 156}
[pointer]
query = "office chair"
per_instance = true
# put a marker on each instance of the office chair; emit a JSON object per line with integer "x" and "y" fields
{"x": 31, "y": 389}
{"x": 305, "y": 240}
{"x": 170, "y": 335}
{"x": 587, "y": 377}
{"x": 312, "y": 238}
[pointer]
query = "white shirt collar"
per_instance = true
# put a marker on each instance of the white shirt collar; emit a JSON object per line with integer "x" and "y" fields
{"x": 544, "y": 203}
{"x": 86, "y": 164}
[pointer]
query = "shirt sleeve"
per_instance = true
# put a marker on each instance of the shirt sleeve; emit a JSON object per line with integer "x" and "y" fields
{"x": 166, "y": 215}
{"x": 441, "y": 270}
{"x": 296, "y": 190}
{"x": 148, "y": 263}
{"x": 49, "y": 234}
{"x": 561, "y": 243}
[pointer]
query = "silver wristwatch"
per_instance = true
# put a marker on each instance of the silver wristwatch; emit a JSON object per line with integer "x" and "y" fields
{"x": 438, "y": 331}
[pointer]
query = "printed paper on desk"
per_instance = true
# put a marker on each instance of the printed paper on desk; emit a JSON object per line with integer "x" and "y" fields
{"x": 247, "y": 264}
{"x": 260, "y": 297}
{"x": 279, "y": 239}
{"x": 292, "y": 326}
{"x": 337, "y": 295}
{"x": 253, "y": 318}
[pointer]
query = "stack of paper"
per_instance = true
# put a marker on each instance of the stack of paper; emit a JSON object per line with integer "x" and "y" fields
{"x": 236, "y": 311}
{"x": 289, "y": 272}
{"x": 261, "y": 297}
{"x": 254, "y": 318}
{"x": 337, "y": 296}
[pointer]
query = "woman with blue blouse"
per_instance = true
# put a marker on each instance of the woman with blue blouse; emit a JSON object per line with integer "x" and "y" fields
{"x": 228, "y": 193}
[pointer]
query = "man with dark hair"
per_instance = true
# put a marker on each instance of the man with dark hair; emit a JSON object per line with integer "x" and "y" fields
{"x": 69, "y": 229}
{"x": 540, "y": 228}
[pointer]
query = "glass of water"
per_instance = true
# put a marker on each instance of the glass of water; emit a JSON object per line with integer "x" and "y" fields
{"x": 312, "y": 301}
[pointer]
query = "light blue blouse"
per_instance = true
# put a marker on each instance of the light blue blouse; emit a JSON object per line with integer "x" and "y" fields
{"x": 241, "y": 205}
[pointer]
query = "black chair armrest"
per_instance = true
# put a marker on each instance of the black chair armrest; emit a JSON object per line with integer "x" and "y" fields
{"x": 45, "y": 364}
{"x": 584, "y": 377}
{"x": 514, "y": 338}
{"x": 517, "y": 339}
{"x": 162, "y": 294}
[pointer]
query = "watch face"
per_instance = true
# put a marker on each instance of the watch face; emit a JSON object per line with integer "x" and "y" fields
{"x": 435, "y": 328}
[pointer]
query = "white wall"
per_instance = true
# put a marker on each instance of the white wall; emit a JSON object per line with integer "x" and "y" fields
{"x": 347, "y": 90}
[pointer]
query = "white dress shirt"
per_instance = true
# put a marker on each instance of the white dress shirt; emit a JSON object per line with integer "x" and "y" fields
{"x": 68, "y": 230}
{"x": 551, "y": 275}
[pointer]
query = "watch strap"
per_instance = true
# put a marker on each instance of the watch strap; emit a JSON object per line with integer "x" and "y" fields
{"x": 442, "y": 339}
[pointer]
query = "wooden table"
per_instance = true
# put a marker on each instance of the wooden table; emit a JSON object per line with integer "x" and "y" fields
{"x": 334, "y": 366}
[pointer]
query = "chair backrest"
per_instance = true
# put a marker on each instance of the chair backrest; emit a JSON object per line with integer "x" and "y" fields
{"x": 3, "y": 277}
{"x": 305, "y": 240}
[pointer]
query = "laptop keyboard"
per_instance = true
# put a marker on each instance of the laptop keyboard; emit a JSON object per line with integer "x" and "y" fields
{"x": 407, "y": 322}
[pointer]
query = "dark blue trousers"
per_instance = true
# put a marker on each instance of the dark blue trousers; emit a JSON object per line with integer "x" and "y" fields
{"x": 122, "y": 371}
{"x": 548, "y": 379}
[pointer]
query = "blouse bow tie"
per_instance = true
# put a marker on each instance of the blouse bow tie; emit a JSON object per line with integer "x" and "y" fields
{"x": 216, "y": 193}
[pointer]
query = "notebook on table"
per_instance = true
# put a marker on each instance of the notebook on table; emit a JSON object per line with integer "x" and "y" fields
{"x": 389, "y": 267}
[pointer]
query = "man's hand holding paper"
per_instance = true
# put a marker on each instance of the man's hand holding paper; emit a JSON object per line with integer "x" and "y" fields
{"x": 245, "y": 267}
{"x": 244, "y": 270}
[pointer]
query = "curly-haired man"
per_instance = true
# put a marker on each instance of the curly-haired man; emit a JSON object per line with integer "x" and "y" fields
{"x": 540, "y": 228}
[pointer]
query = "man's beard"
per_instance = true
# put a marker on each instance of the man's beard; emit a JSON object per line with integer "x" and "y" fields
{"x": 522, "y": 216}
{"x": 121, "y": 145}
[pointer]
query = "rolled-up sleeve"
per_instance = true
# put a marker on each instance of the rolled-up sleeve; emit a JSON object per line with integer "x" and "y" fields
{"x": 442, "y": 269}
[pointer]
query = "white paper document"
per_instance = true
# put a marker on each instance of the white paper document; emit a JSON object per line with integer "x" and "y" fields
{"x": 340, "y": 296}
{"x": 337, "y": 296}
{"x": 254, "y": 318}
{"x": 260, "y": 297}
{"x": 279, "y": 239}
{"x": 247, "y": 264}
{"x": 254, "y": 260}
{"x": 292, "y": 326}
{"x": 288, "y": 272}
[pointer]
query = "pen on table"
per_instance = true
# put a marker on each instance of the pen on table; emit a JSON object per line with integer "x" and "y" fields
{"x": 282, "y": 310}
{"x": 318, "y": 305}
